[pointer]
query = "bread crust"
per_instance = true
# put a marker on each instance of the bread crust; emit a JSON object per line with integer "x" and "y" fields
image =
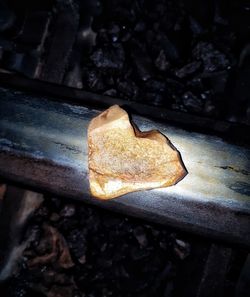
{"x": 123, "y": 159}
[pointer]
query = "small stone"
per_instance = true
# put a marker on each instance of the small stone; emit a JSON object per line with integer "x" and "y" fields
{"x": 109, "y": 57}
{"x": 141, "y": 236}
{"x": 42, "y": 212}
{"x": 179, "y": 253}
{"x": 188, "y": 69}
{"x": 181, "y": 249}
{"x": 128, "y": 88}
{"x": 110, "y": 92}
{"x": 94, "y": 80}
{"x": 156, "y": 85}
{"x": 170, "y": 49}
{"x": 54, "y": 217}
{"x": 210, "y": 108}
{"x": 34, "y": 235}
{"x": 212, "y": 58}
{"x": 155, "y": 99}
{"x": 191, "y": 102}
{"x": 161, "y": 61}
{"x": 82, "y": 259}
{"x": 104, "y": 246}
{"x": 181, "y": 243}
{"x": 114, "y": 28}
{"x": 140, "y": 27}
{"x": 195, "y": 26}
{"x": 77, "y": 243}
{"x": 68, "y": 210}
{"x": 114, "y": 32}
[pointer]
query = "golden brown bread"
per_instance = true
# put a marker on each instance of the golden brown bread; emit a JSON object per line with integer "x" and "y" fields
{"x": 123, "y": 159}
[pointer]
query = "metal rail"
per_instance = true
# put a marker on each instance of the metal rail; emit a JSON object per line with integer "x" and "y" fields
{"x": 43, "y": 145}
{"x": 238, "y": 132}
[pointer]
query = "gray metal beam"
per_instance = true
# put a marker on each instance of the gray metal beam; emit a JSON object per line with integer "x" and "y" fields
{"x": 43, "y": 145}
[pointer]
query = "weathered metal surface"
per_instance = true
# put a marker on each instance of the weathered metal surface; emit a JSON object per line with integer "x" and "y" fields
{"x": 43, "y": 144}
{"x": 229, "y": 130}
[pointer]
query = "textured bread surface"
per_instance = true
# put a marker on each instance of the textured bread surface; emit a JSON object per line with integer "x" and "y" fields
{"x": 123, "y": 159}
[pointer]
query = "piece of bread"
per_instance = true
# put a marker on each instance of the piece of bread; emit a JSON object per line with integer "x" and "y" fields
{"x": 123, "y": 159}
